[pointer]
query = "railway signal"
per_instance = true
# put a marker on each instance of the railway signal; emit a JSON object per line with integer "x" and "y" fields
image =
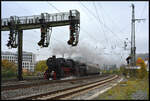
{"x": 45, "y": 22}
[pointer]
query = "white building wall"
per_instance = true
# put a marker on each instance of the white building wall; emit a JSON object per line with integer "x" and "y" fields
{"x": 28, "y": 59}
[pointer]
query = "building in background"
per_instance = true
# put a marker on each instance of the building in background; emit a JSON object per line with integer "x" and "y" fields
{"x": 109, "y": 67}
{"x": 28, "y": 59}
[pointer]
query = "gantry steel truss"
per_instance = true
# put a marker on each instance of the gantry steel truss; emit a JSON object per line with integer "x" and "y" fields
{"x": 45, "y": 22}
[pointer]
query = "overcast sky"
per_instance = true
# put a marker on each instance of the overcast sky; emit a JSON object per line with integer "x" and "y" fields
{"x": 104, "y": 38}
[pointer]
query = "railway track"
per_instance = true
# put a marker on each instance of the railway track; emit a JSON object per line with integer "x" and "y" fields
{"x": 24, "y": 85}
{"x": 29, "y": 78}
{"x": 68, "y": 92}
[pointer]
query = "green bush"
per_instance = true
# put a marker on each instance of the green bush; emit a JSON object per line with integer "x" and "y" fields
{"x": 9, "y": 73}
{"x": 41, "y": 66}
{"x": 9, "y": 69}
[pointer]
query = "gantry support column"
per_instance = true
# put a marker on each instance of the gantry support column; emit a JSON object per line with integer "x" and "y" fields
{"x": 20, "y": 32}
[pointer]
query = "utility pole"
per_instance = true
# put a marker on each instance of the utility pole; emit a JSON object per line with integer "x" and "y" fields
{"x": 133, "y": 47}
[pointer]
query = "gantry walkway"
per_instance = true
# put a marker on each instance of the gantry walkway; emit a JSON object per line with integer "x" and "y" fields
{"x": 33, "y": 22}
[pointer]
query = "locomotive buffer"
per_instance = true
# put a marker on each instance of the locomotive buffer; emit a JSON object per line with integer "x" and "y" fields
{"x": 45, "y": 22}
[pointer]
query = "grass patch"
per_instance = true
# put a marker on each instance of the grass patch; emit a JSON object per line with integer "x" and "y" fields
{"x": 124, "y": 90}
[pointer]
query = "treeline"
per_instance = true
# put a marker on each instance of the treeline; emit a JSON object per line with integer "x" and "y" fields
{"x": 144, "y": 56}
{"x": 9, "y": 69}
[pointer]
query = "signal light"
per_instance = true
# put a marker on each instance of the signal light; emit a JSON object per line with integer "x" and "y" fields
{"x": 40, "y": 43}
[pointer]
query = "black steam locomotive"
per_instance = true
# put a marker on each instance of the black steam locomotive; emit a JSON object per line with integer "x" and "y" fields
{"x": 60, "y": 67}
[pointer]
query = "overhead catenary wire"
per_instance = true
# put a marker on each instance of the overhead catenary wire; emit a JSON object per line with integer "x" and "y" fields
{"x": 58, "y": 10}
{"x": 103, "y": 22}
{"x": 142, "y": 11}
{"x": 104, "y": 47}
{"x": 113, "y": 21}
{"x": 54, "y": 7}
{"x": 102, "y": 27}
{"x": 29, "y": 41}
{"x": 89, "y": 34}
{"x": 91, "y": 13}
{"x": 100, "y": 21}
{"x": 37, "y": 32}
{"x": 92, "y": 37}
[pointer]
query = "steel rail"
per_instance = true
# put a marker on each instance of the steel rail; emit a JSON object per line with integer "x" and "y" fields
{"x": 66, "y": 92}
{"x": 34, "y": 84}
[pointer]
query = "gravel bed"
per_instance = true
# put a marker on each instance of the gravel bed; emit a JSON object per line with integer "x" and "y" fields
{"x": 42, "y": 89}
{"x": 14, "y": 80}
{"x": 88, "y": 94}
{"x": 21, "y": 82}
{"x": 139, "y": 95}
{"x": 92, "y": 92}
{"x": 16, "y": 83}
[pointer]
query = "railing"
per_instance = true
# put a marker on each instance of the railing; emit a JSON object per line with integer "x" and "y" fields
{"x": 35, "y": 18}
